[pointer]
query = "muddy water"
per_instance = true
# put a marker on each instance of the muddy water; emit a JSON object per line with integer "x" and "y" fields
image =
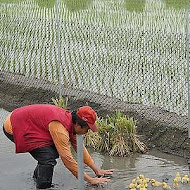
{"x": 16, "y": 170}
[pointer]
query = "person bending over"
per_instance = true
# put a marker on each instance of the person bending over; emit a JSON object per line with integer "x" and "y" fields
{"x": 46, "y": 131}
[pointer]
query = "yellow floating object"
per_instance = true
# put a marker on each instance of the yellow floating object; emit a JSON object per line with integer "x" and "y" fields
{"x": 147, "y": 179}
{"x": 155, "y": 183}
{"x": 165, "y": 186}
{"x": 134, "y": 181}
{"x": 141, "y": 182}
{"x": 145, "y": 184}
{"x": 178, "y": 177}
{"x": 175, "y": 183}
{"x": 141, "y": 176}
{"x": 132, "y": 186}
{"x": 143, "y": 188}
{"x": 185, "y": 179}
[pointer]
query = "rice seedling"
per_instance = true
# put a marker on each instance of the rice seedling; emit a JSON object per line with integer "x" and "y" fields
{"x": 60, "y": 102}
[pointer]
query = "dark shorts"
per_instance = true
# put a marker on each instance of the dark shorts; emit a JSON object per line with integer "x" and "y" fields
{"x": 44, "y": 155}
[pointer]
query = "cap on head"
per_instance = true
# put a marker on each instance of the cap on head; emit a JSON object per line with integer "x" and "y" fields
{"x": 87, "y": 114}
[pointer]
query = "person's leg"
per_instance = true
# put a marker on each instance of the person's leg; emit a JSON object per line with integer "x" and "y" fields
{"x": 43, "y": 173}
{"x": 43, "y": 176}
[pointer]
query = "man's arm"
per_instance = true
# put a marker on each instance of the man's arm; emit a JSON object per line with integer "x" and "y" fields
{"x": 60, "y": 137}
{"x": 88, "y": 160}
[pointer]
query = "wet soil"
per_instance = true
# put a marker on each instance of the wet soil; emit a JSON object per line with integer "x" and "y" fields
{"x": 158, "y": 128}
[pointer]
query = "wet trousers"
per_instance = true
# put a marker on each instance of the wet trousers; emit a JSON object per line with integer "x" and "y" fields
{"x": 46, "y": 157}
{"x": 43, "y": 173}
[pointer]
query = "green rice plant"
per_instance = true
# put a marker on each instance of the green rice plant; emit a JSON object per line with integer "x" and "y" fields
{"x": 24, "y": 66}
{"x": 105, "y": 129}
{"x": 60, "y": 102}
{"x": 75, "y": 5}
{"x": 35, "y": 68}
{"x": 45, "y": 3}
{"x": 179, "y": 4}
{"x": 10, "y": 1}
{"x": 135, "y": 5}
{"x": 14, "y": 66}
{"x": 116, "y": 135}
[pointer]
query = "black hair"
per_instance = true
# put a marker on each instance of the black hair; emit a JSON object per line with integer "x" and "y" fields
{"x": 78, "y": 120}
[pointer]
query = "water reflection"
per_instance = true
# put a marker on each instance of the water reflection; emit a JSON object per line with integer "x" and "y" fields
{"x": 16, "y": 169}
{"x": 154, "y": 164}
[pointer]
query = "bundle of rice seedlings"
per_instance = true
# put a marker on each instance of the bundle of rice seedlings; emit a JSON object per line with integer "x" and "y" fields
{"x": 92, "y": 139}
{"x": 116, "y": 136}
{"x": 141, "y": 146}
{"x": 105, "y": 130}
{"x": 119, "y": 147}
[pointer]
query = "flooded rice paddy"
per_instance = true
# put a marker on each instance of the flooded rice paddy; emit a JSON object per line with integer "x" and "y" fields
{"x": 16, "y": 169}
{"x": 129, "y": 49}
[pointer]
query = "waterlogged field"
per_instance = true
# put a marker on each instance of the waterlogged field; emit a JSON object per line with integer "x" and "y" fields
{"x": 17, "y": 169}
{"x": 132, "y": 51}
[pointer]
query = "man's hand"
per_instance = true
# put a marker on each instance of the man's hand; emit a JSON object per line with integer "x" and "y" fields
{"x": 96, "y": 180}
{"x": 100, "y": 173}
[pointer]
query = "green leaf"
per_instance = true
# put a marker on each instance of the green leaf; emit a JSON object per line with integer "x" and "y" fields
{"x": 61, "y": 102}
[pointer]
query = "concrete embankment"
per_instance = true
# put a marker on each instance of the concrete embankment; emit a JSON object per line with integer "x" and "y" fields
{"x": 160, "y": 129}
